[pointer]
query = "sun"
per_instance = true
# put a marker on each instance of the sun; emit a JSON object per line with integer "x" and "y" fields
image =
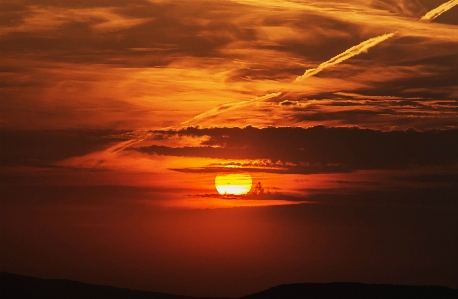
{"x": 233, "y": 183}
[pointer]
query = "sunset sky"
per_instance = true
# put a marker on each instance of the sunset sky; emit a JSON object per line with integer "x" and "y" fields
{"x": 117, "y": 116}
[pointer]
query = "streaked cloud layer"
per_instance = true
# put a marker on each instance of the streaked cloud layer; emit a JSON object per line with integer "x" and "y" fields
{"x": 131, "y": 61}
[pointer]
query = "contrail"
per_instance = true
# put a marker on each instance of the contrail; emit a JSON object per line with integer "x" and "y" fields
{"x": 431, "y": 15}
{"x": 231, "y": 106}
{"x": 353, "y": 51}
{"x": 123, "y": 145}
{"x": 366, "y": 45}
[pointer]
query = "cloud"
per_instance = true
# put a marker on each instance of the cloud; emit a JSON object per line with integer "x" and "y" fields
{"x": 267, "y": 166}
{"x": 320, "y": 147}
{"x": 353, "y": 51}
{"x": 130, "y": 61}
{"x": 365, "y": 110}
{"x": 44, "y": 148}
{"x": 363, "y": 47}
{"x": 409, "y": 8}
{"x": 431, "y": 15}
{"x": 289, "y": 103}
{"x": 41, "y": 19}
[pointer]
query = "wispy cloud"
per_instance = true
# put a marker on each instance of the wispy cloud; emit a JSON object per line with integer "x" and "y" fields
{"x": 431, "y": 15}
{"x": 411, "y": 8}
{"x": 101, "y": 19}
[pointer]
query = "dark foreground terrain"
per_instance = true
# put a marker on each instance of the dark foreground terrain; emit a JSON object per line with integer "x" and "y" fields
{"x": 24, "y": 287}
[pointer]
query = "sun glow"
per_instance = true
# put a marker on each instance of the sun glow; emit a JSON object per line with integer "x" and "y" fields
{"x": 233, "y": 183}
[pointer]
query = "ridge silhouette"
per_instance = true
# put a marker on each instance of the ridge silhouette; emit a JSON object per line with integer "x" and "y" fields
{"x": 13, "y": 286}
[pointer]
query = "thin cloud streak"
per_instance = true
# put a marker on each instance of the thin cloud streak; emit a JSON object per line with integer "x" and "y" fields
{"x": 431, "y": 15}
{"x": 99, "y": 19}
{"x": 231, "y": 106}
{"x": 353, "y": 51}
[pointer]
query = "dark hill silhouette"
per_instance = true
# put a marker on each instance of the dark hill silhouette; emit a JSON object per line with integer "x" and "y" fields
{"x": 350, "y": 290}
{"x": 14, "y": 286}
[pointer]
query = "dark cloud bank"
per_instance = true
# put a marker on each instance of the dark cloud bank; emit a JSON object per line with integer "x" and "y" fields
{"x": 349, "y": 148}
{"x": 42, "y": 148}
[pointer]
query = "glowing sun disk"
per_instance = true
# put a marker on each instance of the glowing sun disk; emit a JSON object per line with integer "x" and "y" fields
{"x": 233, "y": 183}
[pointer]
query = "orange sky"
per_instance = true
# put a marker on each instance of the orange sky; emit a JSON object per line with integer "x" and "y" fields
{"x": 116, "y": 116}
